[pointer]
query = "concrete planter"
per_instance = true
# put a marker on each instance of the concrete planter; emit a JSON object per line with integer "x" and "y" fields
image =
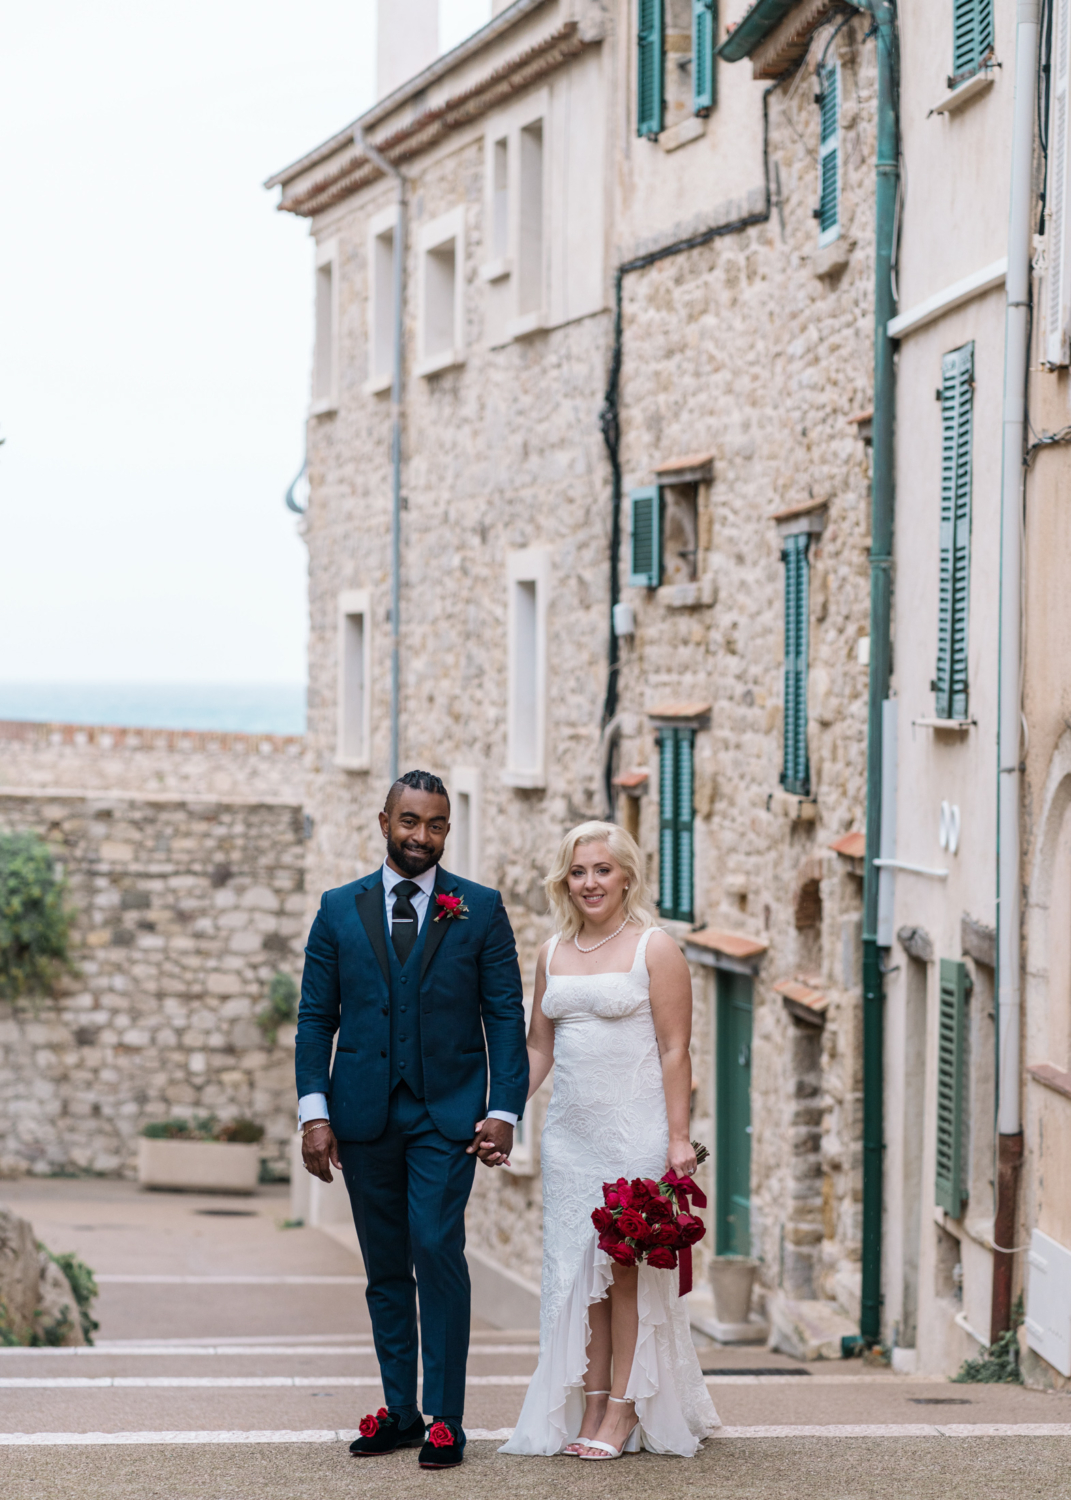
{"x": 199, "y": 1166}
{"x": 732, "y": 1278}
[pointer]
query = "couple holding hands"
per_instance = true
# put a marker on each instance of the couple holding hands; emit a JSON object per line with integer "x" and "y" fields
{"x": 416, "y": 972}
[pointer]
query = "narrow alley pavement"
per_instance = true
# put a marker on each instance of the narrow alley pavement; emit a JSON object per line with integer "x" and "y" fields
{"x": 234, "y": 1359}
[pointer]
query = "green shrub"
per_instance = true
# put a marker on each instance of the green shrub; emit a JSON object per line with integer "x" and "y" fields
{"x": 281, "y": 1009}
{"x": 34, "y": 923}
{"x": 999, "y": 1363}
{"x": 84, "y": 1286}
{"x": 207, "y": 1128}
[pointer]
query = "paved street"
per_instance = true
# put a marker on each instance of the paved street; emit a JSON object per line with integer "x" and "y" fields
{"x": 234, "y": 1359}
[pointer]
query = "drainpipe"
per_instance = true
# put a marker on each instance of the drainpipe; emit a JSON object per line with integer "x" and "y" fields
{"x": 389, "y": 170}
{"x": 881, "y": 531}
{"x": 1009, "y": 884}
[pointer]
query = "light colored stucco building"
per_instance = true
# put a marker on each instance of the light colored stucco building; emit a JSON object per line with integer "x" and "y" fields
{"x": 637, "y": 342}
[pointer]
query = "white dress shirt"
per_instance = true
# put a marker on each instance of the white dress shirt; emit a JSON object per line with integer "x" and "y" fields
{"x": 314, "y": 1106}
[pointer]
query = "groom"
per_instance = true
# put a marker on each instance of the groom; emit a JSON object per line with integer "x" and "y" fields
{"x": 413, "y": 968}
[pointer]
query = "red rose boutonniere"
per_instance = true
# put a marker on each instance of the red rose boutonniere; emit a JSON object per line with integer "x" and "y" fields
{"x": 452, "y": 907}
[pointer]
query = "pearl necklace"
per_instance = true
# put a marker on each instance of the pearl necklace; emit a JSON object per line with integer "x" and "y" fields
{"x": 576, "y": 939}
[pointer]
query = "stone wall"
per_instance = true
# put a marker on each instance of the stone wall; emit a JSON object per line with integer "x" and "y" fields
{"x": 95, "y": 757}
{"x": 185, "y": 907}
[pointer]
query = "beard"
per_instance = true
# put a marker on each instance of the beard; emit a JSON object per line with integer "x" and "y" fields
{"x": 411, "y": 861}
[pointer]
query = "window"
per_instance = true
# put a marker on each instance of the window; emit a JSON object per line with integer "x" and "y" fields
{"x": 352, "y": 751}
{"x": 325, "y": 359}
{"x": 972, "y": 37}
{"x": 957, "y": 390}
{"x": 1056, "y": 300}
{"x": 704, "y": 35}
{"x": 527, "y": 645}
{"x": 795, "y": 767}
{"x": 680, "y": 532}
{"x": 649, "y": 68}
{"x": 530, "y": 229}
{"x": 645, "y": 569}
{"x": 828, "y": 211}
{"x": 500, "y": 199}
{"x": 676, "y": 748}
{"x": 951, "y": 1189}
{"x": 442, "y": 267}
{"x": 463, "y": 854}
{"x": 381, "y": 299}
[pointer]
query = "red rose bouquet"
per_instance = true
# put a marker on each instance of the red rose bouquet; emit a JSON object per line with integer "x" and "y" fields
{"x": 652, "y": 1221}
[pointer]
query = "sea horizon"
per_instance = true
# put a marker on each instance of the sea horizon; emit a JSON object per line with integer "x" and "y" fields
{"x": 226, "y": 708}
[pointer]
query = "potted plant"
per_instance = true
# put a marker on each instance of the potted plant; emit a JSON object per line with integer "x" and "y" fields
{"x": 732, "y": 1278}
{"x": 200, "y": 1156}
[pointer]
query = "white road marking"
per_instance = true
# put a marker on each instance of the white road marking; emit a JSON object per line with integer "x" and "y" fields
{"x": 124, "y": 1280}
{"x": 213, "y": 1382}
{"x": 200, "y": 1351}
{"x": 500, "y": 1434}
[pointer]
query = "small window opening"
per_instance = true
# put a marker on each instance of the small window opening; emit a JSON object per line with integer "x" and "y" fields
{"x": 439, "y": 287}
{"x": 500, "y": 200}
{"x": 680, "y": 533}
{"x": 324, "y": 365}
{"x": 530, "y": 247}
{"x": 383, "y": 310}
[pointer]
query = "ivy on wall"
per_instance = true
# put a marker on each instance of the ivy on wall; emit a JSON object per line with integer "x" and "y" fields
{"x": 34, "y": 921}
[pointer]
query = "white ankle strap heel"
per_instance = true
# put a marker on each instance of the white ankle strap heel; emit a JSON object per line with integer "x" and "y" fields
{"x": 571, "y": 1448}
{"x": 630, "y": 1445}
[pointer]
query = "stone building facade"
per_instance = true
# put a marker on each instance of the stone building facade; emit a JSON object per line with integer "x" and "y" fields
{"x": 744, "y": 381}
{"x": 185, "y": 906}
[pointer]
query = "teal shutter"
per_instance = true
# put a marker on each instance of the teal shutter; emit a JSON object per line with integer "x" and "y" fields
{"x": 645, "y": 571}
{"x": 972, "y": 37}
{"x": 795, "y": 769}
{"x": 829, "y": 156}
{"x": 704, "y": 78}
{"x": 957, "y": 391}
{"x": 951, "y": 1193}
{"x": 649, "y": 67}
{"x": 676, "y": 853}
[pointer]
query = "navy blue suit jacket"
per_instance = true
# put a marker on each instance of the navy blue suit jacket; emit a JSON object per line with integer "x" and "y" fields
{"x": 470, "y": 989}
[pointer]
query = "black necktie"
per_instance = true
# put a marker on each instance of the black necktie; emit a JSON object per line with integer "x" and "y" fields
{"x": 403, "y": 927}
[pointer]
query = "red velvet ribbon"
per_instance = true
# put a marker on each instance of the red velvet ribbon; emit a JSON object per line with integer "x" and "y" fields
{"x": 683, "y": 1188}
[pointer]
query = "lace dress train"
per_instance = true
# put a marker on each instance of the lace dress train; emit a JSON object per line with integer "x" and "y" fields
{"x": 607, "y": 1119}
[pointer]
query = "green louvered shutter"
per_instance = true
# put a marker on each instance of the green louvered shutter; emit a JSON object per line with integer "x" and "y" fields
{"x": 951, "y": 1193}
{"x": 704, "y": 27}
{"x": 972, "y": 36}
{"x": 645, "y": 571}
{"x": 829, "y": 156}
{"x": 676, "y": 852}
{"x": 957, "y": 391}
{"x": 795, "y": 770}
{"x": 649, "y": 67}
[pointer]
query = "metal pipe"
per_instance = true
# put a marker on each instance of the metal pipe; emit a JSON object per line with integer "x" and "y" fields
{"x": 881, "y": 529}
{"x": 1016, "y": 351}
{"x": 388, "y": 169}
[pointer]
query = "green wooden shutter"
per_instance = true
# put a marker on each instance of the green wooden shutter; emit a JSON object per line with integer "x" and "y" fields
{"x": 951, "y": 1191}
{"x": 829, "y": 156}
{"x": 649, "y": 67}
{"x": 704, "y": 76}
{"x": 645, "y": 571}
{"x": 795, "y": 769}
{"x": 972, "y": 36}
{"x": 957, "y": 391}
{"x": 676, "y": 853}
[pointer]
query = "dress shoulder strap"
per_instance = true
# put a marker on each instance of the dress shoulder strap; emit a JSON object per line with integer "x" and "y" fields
{"x": 641, "y": 946}
{"x": 550, "y": 954}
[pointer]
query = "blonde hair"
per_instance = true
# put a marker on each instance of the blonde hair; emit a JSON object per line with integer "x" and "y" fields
{"x": 626, "y": 853}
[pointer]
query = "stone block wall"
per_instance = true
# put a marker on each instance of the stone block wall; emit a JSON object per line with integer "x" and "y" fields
{"x": 185, "y": 907}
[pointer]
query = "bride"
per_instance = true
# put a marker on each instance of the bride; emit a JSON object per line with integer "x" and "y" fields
{"x": 613, "y": 1016}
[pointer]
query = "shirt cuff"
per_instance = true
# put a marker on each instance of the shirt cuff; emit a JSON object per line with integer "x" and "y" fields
{"x": 312, "y": 1107}
{"x": 502, "y": 1114}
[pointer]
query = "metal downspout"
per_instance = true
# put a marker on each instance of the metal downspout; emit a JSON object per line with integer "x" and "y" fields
{"x": 882, "y": 497}
{"x": 1009, "y": 881}
{"x": 388, "y": 169}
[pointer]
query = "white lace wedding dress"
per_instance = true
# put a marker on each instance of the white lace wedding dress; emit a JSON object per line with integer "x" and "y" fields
{"x": 607, "y": 1119}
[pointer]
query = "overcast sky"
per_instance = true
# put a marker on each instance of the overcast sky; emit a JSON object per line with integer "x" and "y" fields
{"x": 155, "y": 318}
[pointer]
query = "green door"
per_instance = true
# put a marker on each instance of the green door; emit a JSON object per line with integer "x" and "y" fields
{"x": 733, "y": 1236}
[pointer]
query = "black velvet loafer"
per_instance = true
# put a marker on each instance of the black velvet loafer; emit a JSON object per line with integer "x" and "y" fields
{"x": 381, "y": 1434}
{"x": 444, "y": 1446}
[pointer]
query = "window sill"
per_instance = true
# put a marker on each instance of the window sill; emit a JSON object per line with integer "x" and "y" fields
{"x": 831, "y": 258}
{"x": 945, "y": 726}
{"x": 375, "y": 385}
{"x": 959, "y": 98}
{"x": 1052, "y": 1078}
{"x": 680, "y": 135}
{"x": 795, "y": 807}
{"x": 327, "y": 406}
{"x": 445, "y": 360}
{"x": 700, "y": 593}
{"x": 526, "y": 780}
{"x": 520, "y": 328}
{"x": 350, "y": 763}
{"x": 496, "y": 270}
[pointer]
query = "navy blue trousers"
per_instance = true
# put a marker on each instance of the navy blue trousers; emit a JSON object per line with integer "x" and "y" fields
{"x": 408, "y": 1190}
